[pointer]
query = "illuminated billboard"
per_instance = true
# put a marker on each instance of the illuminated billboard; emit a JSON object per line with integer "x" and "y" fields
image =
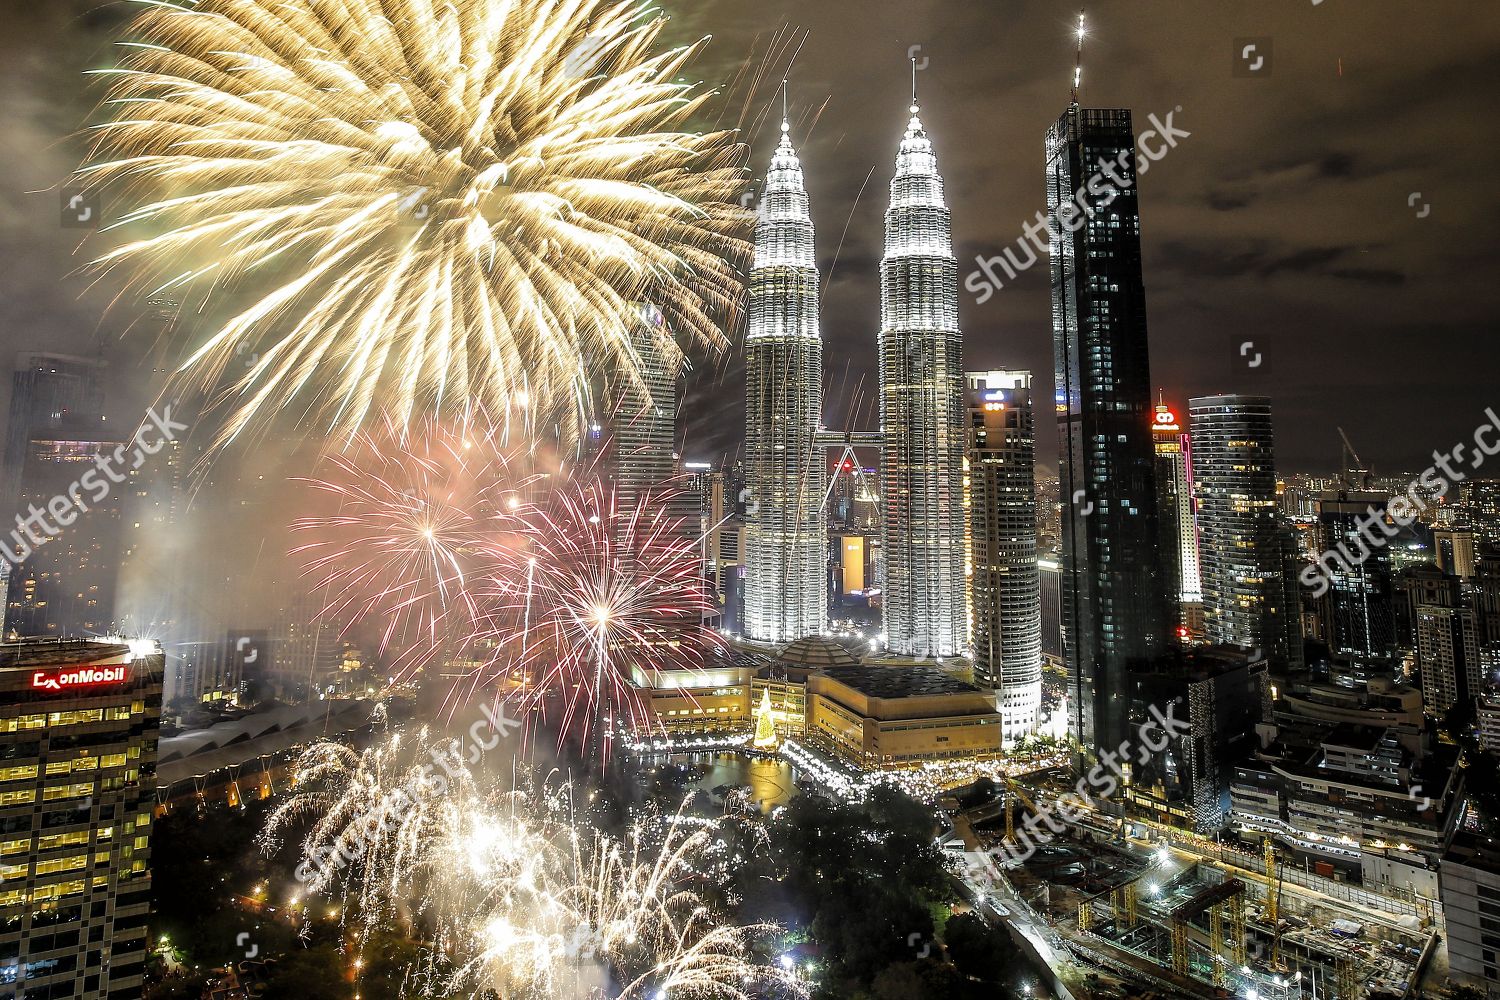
{"x": 70, "y": 678}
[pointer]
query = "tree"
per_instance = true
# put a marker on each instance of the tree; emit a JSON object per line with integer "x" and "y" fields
{"x": 200, "y": 860}
{"x": 862, "y": 879}
{"x": 899, "y": 982}
{"x": 183, "y": 985}
{"x": 388, "y": 958}
{"x": 979, "y": 950}
{"x": 309, "y": 974}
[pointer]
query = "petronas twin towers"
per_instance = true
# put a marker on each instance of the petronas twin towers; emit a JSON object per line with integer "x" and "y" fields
{"x": 921, "y": 415}
{"x": 786, "y": 588}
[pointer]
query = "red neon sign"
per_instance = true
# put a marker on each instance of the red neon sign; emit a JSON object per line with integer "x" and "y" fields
{"x": 61, "y": 680}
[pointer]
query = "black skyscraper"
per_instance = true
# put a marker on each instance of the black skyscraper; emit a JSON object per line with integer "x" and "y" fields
{"x": 48, "y": 392}
{"x": 1114, "y": 605}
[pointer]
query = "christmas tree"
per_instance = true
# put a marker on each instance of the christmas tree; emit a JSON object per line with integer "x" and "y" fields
{"x": 765, "y": 726}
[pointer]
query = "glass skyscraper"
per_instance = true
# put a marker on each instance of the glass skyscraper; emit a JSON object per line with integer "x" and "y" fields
{"x": 1115, "y": 613}
{"x": 1176, "y": 520}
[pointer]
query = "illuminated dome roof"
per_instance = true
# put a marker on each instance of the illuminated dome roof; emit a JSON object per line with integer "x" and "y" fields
{"x": 815, "y": 652}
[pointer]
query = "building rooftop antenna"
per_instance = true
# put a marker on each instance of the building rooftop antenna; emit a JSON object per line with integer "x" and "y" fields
{"x": 1078, "y": 64}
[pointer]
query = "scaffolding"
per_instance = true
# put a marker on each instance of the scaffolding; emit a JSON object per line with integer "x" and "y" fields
{"x": 1348, "y": 980}
{"x": 1216, "y": 938}
{"x": 1238, "y": 936}
{"x": 1218, "y": 901}
{"x": 1179, "y": 946}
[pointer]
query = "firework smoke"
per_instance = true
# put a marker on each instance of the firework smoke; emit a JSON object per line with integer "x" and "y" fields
{"x": 615, "y": 592}
{"x": 417, "y": 522}
{"x": 522, "y": 899}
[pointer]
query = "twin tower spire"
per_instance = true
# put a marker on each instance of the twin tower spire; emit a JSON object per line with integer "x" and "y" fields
{"x": 921, "y": 415}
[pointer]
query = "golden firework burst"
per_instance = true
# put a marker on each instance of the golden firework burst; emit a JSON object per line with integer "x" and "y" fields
{"x": 413, "y": 206}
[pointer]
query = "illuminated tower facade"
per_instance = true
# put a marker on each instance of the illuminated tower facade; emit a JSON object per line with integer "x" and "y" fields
{"x": 79, "y": 721}
{"x": 1005, "y": 578}
{"x": 1249, "y": 597}
{"x": 922, "y": 413}
{"x": 786, "y": 551}
{"x": 1174, "y": 511}
{"x": 1115, "y": 616}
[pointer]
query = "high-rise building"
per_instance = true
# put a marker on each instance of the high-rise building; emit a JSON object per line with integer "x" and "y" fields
{"x": 48, "y": 392}
{"x": 1249, "y": 592}
{"x": 1050, "y": 572}
{"x": 1219, "y": 691}
{"x": 1470, "y": 876}
{"x": 1175, "y": 518}
{"x": 1487, "y": 577}
{"x": 307, "y": 650}
{"x": 1360, "y": 606}
{"x": 78, "y": 731}
{"x": 66, "y": 586}
{"x": 1454, "y": 548}
{"x": 638, "y": 431}
{"x": 1006, "y": 597}
{"x": 1115, "y": 616}
{"x": 786, "y": 578}
{"x": 922, "y": 413}
{"x": 1479, "y": 499}
{"x": 1447, "y": 646}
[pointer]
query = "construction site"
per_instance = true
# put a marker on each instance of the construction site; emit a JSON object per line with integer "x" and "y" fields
{"x": 1142, "y": 916}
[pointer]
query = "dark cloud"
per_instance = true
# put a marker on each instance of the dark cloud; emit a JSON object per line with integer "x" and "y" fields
{"x": 1229, "y": 201}
{"x": 1336, "y": 166}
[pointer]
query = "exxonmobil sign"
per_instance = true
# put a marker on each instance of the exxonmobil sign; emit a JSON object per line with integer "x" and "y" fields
{"x": 79, "y": 677}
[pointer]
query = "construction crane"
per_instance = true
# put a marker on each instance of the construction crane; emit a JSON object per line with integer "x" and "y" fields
{"x": 1346, "y": 476}
{"x": 1010, "y": 807}
{"x": 1273, "y": 904}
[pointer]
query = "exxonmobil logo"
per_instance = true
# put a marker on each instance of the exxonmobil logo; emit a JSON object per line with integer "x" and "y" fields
{"x": 78, "y": 677}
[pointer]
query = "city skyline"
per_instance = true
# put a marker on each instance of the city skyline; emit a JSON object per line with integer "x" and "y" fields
{"x": 582, "y": 501}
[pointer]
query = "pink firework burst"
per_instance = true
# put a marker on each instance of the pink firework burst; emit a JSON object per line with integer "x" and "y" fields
{"x": 419, "y": 522}
{"x": 610, "y": 592}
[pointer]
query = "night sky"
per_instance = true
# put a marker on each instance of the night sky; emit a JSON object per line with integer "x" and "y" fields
{"x": 1284, "y": 219}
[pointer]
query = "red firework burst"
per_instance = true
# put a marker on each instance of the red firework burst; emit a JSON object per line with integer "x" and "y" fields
{"x": 609, "y": 592}
{"x": 420, "y": 518}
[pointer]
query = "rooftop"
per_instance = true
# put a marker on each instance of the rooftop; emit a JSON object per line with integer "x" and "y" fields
{"x": 899, "y": 682}
{"x": 44, "y": 652}
{"x": 259, "y": 734}
{"x": 816, "y": 653}
{"x": 1474, "y": 851}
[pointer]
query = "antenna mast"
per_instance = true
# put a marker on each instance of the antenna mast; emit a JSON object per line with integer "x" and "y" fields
{"x": 1078, "y": 64}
